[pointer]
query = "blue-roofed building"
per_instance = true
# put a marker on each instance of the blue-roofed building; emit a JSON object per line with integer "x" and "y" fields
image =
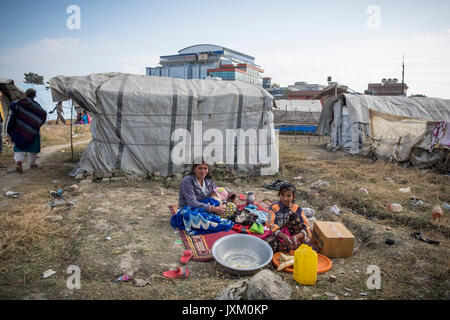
{"x": 208, "y": 60}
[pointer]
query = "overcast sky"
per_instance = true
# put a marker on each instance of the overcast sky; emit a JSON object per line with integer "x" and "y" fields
{"x": 355, "y": 42}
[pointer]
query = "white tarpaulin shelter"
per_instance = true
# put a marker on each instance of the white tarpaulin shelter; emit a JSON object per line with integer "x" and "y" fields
{"x": 391, "y": 128}
{"x": 297, "y": 112}
{"x": 144, "y": 124}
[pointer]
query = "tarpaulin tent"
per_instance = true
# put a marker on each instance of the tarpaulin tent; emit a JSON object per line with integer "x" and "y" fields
{"x": 10, "y": 92}
{"x": 297, "y": 115}
{"x": 391, "y": 128}
{"x": 137, "y": 121}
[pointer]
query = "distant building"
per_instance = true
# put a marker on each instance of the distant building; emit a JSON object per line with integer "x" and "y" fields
{"x": 208, "y": 60}
{"x": 278, "y": 92}
{"x": 304, "y": 91}
{"x": 267, "y": 81}
{"x": 387, "y": 87}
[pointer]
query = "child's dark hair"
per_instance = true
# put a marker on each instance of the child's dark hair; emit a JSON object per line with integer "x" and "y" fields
{"x": 285, "y": 186}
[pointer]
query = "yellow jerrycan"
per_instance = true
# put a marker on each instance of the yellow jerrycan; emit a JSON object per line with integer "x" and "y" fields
{"x": 305, "y": 265}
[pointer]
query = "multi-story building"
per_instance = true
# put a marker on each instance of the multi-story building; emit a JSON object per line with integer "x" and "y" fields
{"x": 208, "y": 60}
{"x": 278, "y": 92}
{"x": 267, "y": 82}
{"x": 387, "y": 87}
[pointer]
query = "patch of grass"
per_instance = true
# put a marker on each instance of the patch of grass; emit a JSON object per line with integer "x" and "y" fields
{"x": 7, "y": 155}
{"x": 52, "y": 134}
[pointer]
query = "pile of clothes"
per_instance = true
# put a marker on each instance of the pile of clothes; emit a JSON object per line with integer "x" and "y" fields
{"x": 250, "y": 219}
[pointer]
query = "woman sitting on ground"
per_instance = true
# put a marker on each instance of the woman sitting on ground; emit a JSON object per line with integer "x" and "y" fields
{"x": 199, "y": 213}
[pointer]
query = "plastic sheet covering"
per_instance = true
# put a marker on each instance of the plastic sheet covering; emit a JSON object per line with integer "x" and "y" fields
{"x": 140, "y": 122}
{"x": 326, "y": 115}
{"x": 394, "y": 137}
{"x": 282, "y": 117}
{"x": 433, "y": 109}
{"x": 299, "y": 105}
{"x": 335, "y": 126}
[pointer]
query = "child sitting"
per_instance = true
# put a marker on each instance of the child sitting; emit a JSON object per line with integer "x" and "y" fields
{"x": 287, "y": 222}
{"x": 219, "y": 194}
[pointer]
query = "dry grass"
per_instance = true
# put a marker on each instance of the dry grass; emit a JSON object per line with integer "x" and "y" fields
{"x": 22, "y": 227}
{"x": 347, "y": 175}
{"x": 52, "y": 134}
{"x": 6, "y": 156}
{"x": 136, "y": 217}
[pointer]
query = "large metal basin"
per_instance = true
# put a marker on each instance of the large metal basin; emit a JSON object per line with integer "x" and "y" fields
{"x": 242, "y": 254}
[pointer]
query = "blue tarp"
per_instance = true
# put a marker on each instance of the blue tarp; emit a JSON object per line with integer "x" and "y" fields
{"x": 297, "y": 128}
{"x": 44, "y": 98}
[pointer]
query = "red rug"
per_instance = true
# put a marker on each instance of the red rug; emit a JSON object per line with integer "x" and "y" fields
{"x": 201, "y": 244}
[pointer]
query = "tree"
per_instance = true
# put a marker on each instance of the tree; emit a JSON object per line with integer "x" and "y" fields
{"x": 418, "y": 95}
{"x": 33, "y": 78}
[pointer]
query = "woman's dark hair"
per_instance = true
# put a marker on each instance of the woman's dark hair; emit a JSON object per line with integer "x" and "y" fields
{"x": 285, "y": 186}
{"x": 194, "y": 165}
{"x": 30, "y": 93}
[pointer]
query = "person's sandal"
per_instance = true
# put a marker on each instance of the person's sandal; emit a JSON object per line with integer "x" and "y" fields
{"x": 19, "y": 167}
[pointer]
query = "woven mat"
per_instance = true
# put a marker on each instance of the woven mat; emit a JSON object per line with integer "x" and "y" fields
{"x": 201, "y": 244}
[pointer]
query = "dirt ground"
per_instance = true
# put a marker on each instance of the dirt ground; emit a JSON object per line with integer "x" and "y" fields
{"x": 135, "y": 215}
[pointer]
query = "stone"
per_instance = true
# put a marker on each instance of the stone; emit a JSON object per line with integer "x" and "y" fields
{"x": 332, "y": 278}
{"x": 133, "y": 178}
{"x": 107, "y": 175}
{"x": 265, "y": 285}
{"x": 236, "y": 291}
{"x": 79, "y": 176}
{"x": 73, "y": 188}
{"x": 106, "y": 179}
{"x": 140, "y": 282}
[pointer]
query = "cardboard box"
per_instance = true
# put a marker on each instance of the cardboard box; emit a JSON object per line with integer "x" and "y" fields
{"x": 333, "y": 239}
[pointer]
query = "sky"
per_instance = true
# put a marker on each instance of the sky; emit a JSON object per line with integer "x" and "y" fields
{"x": 354, "y": 42}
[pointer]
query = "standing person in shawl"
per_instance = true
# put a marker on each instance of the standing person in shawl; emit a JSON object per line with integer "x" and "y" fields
{"x": 60, "y": 111}
{"x": 27, "y": 117}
